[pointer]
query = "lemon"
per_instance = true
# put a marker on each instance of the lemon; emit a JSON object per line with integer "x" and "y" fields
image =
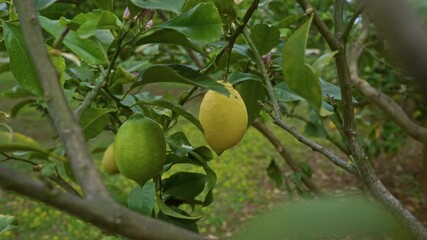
{"x": 140, "y": 149}
{"x": 223, "y": 118}
{"x": 108, "y": 161}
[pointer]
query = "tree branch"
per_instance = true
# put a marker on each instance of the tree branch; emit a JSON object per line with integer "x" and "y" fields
{"x": 321, "y": 26}
{"x": 278, "y": 115}
{"x": 66, "y": 125}
{"x": 113, "y": 217}
{"x": 262, "y": 128}
{"x": 351, "y": 23}
{"x": 383, "y": 101}
{"x": 366, "y": 172}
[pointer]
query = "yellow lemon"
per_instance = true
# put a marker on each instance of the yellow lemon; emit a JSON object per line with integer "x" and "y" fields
{"x": 223, "y": 118}
{"x": 140, "y": 149}
{"x": 108, "y": 161}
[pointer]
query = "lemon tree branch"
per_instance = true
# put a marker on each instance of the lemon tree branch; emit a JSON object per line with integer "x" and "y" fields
{"x": 264, "y": 130}
{"x": 365, "y": 169}
{"x": 65, "y": 123}
{"x": 277, "y": 117}
{"x": 113, "y": 217}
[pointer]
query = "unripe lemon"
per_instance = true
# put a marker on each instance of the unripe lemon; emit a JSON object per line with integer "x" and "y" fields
{"x": 224, "y": 119}
{"x": 140, "y": 149}
{"x": 108, "y": 161}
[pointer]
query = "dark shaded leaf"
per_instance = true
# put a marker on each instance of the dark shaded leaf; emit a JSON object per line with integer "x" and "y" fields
{"x": 168, "y": 36}
{"x": 185, "y": 185}
{"x": 275, "y": 173}
{"x": 265, "y": 37}
{"x": 179, "y": 74}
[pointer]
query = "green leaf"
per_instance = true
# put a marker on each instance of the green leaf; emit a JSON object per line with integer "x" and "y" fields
{"x": 167, "y": 36}
{"x": 141, "y": 199}
{"x": 87, "y": 49}
{"x": 42, "y": 4}
{"x": 20, "y": 62}
{"x": 238, "y": 77}
{"x": 86, "y": 24}
{"x": 252, "y": 92}
{"x": 325, "y": 217}
{"x": 10, "y": 142}
{"x": 289, "y": 20}
{"x": 300, "y": 77}
{"x": 322, "y": 62}
{"x": 168, "y": 5}
{"x": 178, "y": 74}
{"x": 179, "y": 144}
{"x": 178, "y": 109}
{"x": 314, "y": 130}
{"x": 183, "y": 223}
{"x": 201, "y": 23}
{"x": 49, "y": 170}
{"x": 211, "y": 175}
{"x": 172, "y": 213}
{"x": 7, "y": 222}
{"x": 275, "y": 173}
{"x": 185, "y": 185}
{"x": 94, "y": 120}
{"x": 284, "y": 94}
{"x": 117, "y": 194}
{"x": 265, "y": 37}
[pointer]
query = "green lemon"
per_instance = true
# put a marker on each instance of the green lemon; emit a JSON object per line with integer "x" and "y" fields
{"x": 140, "y": 149}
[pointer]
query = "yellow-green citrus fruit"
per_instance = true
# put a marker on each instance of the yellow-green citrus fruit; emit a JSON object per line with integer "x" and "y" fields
{"x": 223, "y": 118}
{"x": 108, "y": 161}
{"x": 140, "y": 149}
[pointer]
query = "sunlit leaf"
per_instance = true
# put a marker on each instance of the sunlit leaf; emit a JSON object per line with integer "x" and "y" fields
{"x": 87, "y": 49}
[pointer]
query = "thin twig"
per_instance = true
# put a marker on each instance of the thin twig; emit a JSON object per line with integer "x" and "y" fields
{"x": 8, "y": 157}
{"x": 58, "y": 42}
{"x": 104, "y": 82}
{"x": 321, "y": 26}
{"x": 350, "y": 24}
{"x": 262, "y": 128}
{"x": 277, "y": 116}
{"x": 233, "y": 37}
{"x": 261, "y": 66}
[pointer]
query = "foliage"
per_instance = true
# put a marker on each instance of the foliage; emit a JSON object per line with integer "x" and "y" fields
{"x": 109, "y": 53}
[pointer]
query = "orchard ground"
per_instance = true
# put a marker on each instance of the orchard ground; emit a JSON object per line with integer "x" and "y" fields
{"x": 243, "y": 189}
